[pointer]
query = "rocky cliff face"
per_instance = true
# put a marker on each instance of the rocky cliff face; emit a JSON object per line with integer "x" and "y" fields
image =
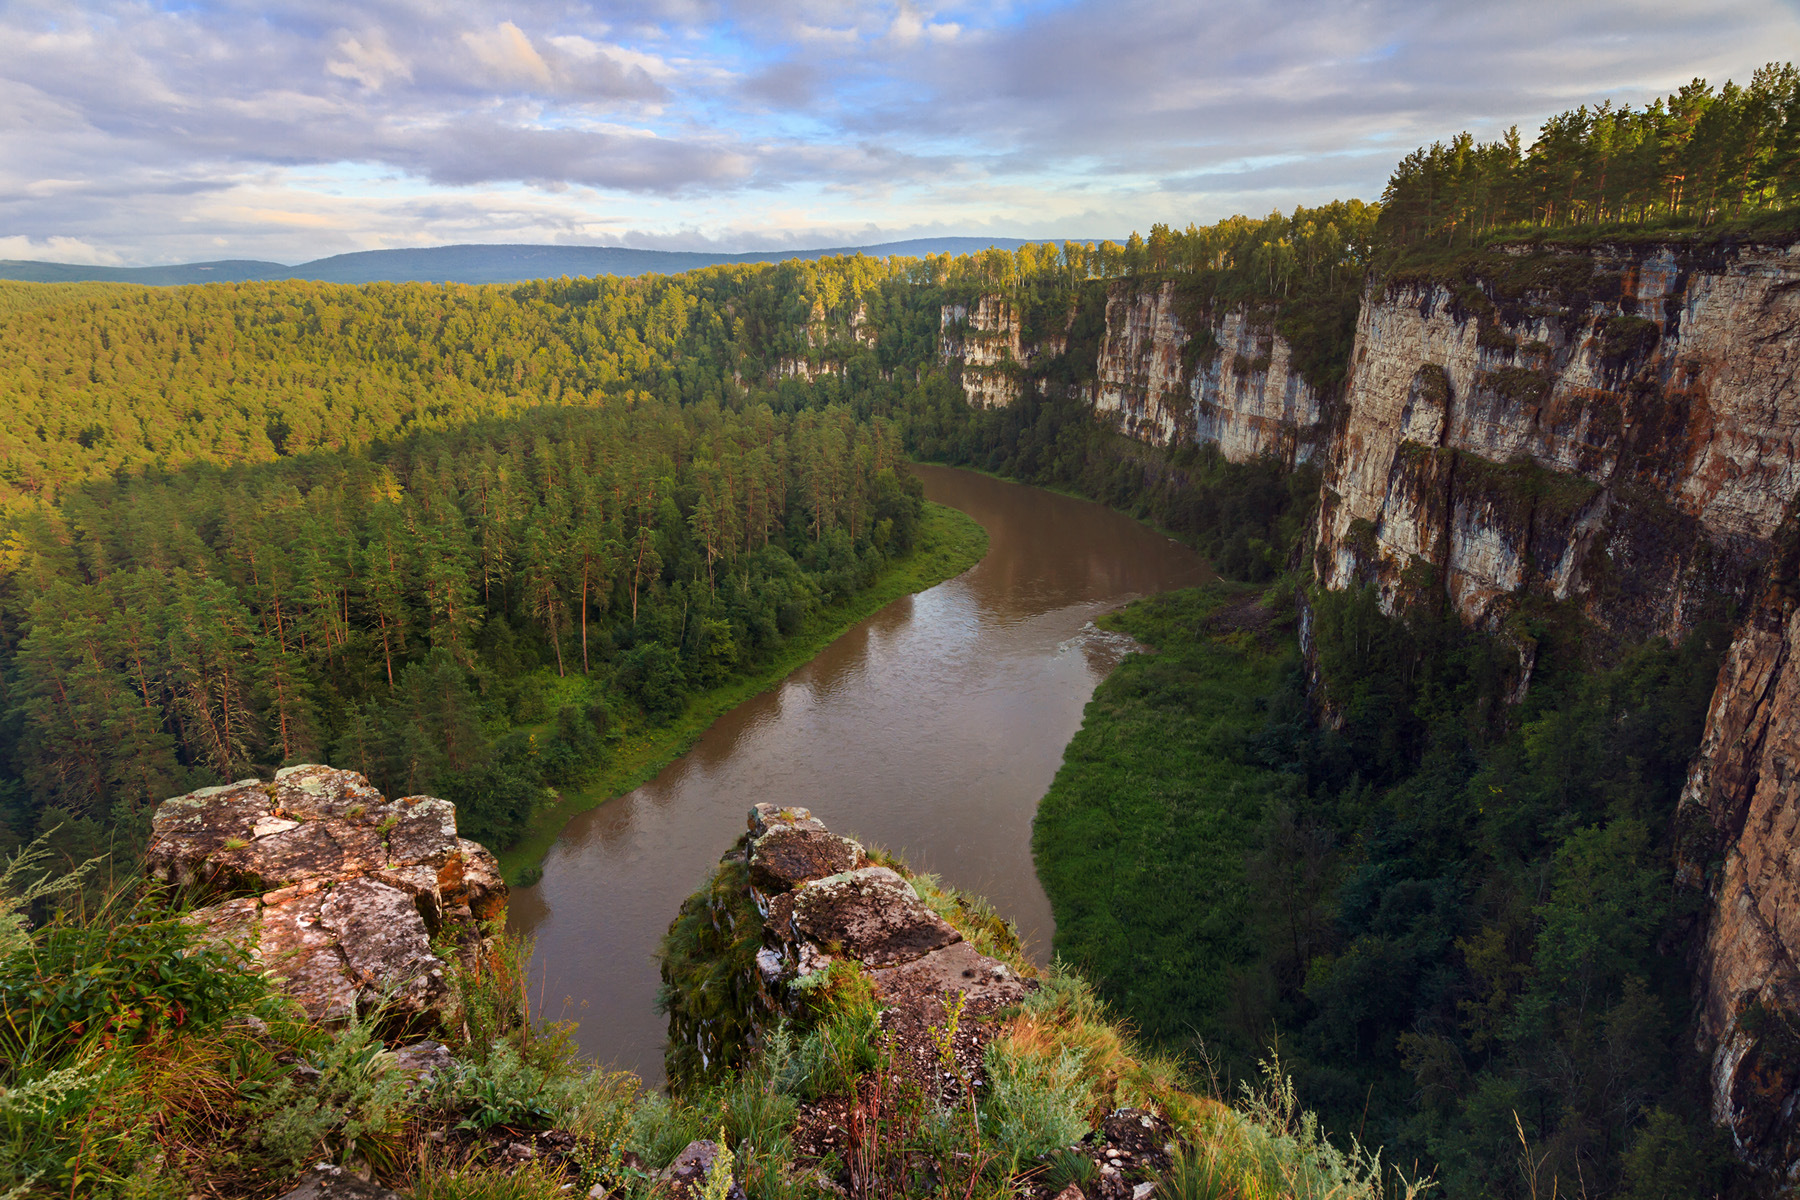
{"x": 1243, "y": 395}
{"x": 1614, "y": 426}
{"x": 1740, "y": 841}
{"x": 1618, "y": 428}
{"x": 336, "y": 889}
{"x": 1139, "y": 372}
{"x": 984, "y": 341}
{"x": 1251, "y": 401}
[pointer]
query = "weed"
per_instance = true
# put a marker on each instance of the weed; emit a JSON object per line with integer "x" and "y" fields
{"x": 443, "y": 1181}
{"x": 352, "y": 1108}
{"x": 1067, "y": 1168}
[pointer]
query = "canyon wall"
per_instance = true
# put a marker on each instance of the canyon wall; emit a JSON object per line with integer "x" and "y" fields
{"x": 984, "y": 340}
{"x": 1615, "y": 427}
{"x": 1739, "y": 841}
{"x": 1243, "y": 394}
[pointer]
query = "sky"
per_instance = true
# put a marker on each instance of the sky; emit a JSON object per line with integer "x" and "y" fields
{"x": 136, "y": 133}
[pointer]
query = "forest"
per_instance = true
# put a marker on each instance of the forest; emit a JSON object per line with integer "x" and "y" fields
{"x": 464, "y": 539}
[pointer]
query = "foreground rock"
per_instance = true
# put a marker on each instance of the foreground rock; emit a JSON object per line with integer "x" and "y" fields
{"x": 336, "y": 889}
{"x": 817, "y": 899}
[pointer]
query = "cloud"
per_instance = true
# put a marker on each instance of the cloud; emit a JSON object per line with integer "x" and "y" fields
{"x": 509, "y": 56}
{"x": 367, "y": 60}
{"x": 59, "y": 249}
{"x": 146, "y": 130}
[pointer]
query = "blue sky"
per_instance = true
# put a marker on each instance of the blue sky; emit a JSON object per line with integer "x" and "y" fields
{"x": 141, "y": 132}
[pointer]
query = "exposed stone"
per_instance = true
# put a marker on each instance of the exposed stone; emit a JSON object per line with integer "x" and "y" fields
{"x": 958, "y": 967}
{"x": 1140, "y": 365}
{"x": 872, "y": 915}
{"x": 349, "y": 886}
{"x": 424, "y": 1062}
{"x": 764, "y": 817}
{"x": 1661, "y": 475}
{"x": 787, "y": 856}
{"x": 1740, "y": 840}
{"x": 327, "y": 1182}
{"x": 687, "y": 1174}
{"x": 984, "y": 339}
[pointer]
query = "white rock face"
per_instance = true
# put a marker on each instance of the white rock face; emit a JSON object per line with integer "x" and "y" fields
{"x": 1558, "y": 454}
{"x": 986, "y": 342}
{"x": 1139, "y": 370}
{"x": 1251, "y": 401}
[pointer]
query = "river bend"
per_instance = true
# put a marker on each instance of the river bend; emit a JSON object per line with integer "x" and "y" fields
{"x": 931, "y": 729}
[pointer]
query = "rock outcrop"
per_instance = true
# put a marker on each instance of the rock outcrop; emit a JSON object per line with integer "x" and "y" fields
{"x": 816, "y": 899}
{"x": 1139, "y": 373}
{"x": 336, "y": 889}
{"x": 1244, "y": 395}
{"x": 1250, "y": 399}
{"x": 1611, "y": 426}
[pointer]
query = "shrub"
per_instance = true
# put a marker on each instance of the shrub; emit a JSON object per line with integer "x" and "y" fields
{"x": 352, "y": 1108}
{"x": 116, "y": 977}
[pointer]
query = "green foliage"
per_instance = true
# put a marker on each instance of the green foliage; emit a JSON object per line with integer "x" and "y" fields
{"x": 1140, "y": 840}
{"x": 707, "y": 959}
{"x": 1628, "y": 337}
{"x": 1450, "y": 909}
{"x": 530, "y": 1181}
{"x": 132, "y": 972}
{"x": 1699, "y": 156}
{"x": 1033, "y": 1105}
{"x": 349, "y": 1110}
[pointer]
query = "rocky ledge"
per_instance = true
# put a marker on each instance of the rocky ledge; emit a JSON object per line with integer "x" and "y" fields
{"x": 335, "y": 889}
{"x": 823, "y": 899}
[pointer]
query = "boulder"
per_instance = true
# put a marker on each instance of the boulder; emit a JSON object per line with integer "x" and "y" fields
{"x": 687, "y": 1175}
{"x": 336, "y": 889}
{"x": 987, "y": 983}
{"x": 788, "y": 855}
{"x": 764, "y": 817}
{"x": 872, "y": 915}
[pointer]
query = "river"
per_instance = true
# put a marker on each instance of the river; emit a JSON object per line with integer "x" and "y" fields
{"x": 931, "y": 729}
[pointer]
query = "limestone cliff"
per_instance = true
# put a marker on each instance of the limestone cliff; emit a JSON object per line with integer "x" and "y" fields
{"x": 1615, "y": 426}
{"x": 1242, "y": 394}
{"x": 983, "y": 340}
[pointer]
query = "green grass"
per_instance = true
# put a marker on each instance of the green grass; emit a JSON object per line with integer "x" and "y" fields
{"x": 1141, "y": 840}
{"x": 950, "y": 542}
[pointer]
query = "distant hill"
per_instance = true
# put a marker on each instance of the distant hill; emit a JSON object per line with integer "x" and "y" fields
{"x": 471, "y": 263}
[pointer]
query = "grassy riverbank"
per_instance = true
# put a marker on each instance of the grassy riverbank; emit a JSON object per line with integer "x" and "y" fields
{"x": 1141, "y": 840}
{"x": 949, "y": 543}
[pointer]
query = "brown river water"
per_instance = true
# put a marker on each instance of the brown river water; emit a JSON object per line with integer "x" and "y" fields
{"x": 931, "y": 729}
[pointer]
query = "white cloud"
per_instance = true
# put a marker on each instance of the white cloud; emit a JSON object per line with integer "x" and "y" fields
{"x": 59, "y": 249}
{"x": 508, "y": 55}
{"x": 367, "y": 60}
{"x": 149, "y": 131}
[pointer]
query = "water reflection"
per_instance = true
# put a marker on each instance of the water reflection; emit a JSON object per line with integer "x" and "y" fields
{"x": 931, "y": 729}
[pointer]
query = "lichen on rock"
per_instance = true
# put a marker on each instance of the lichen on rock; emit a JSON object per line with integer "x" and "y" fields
{"x": 337, "y": 890}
